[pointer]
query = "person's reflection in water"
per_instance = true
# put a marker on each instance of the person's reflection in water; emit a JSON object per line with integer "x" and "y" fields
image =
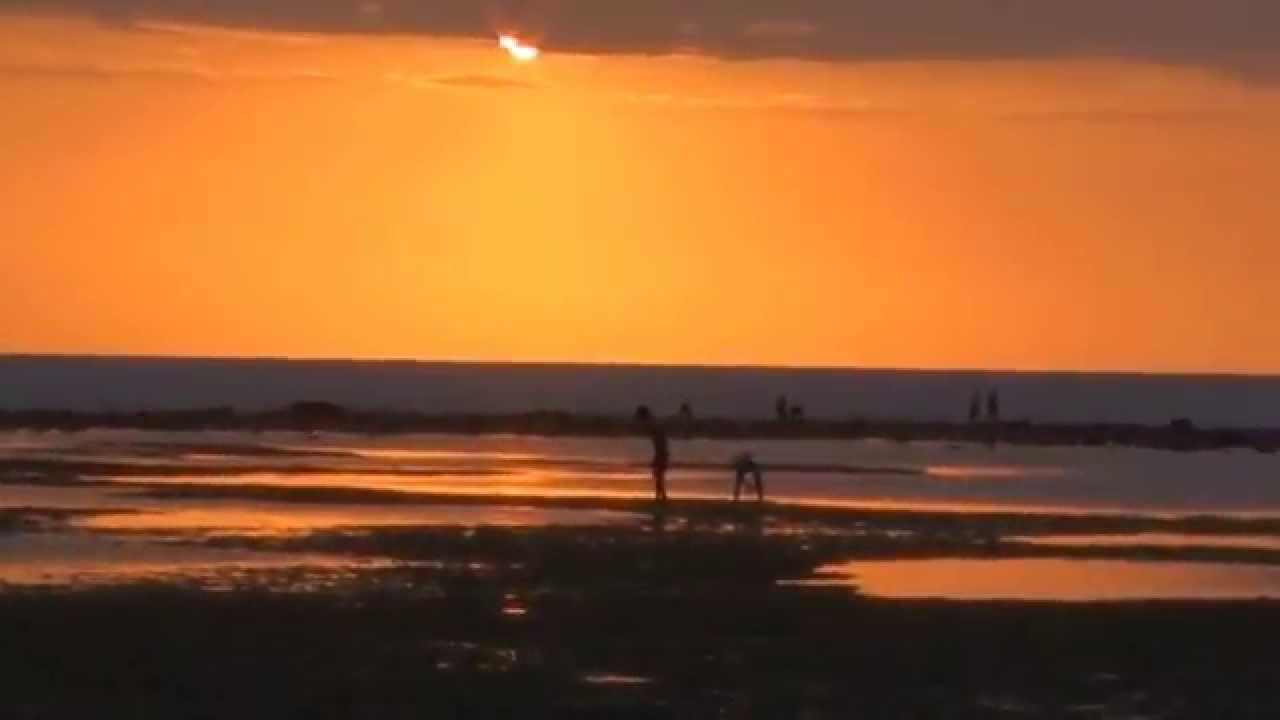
{"x": 661, "y": 451}
{"x": 659, "y": 520}
{"x": 747, "y": 471}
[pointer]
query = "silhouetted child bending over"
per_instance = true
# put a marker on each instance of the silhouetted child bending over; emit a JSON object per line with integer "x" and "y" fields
{"x": 747, "y": 470}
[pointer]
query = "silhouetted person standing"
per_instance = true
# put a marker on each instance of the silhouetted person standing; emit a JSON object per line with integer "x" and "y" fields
{"x": 782, "y": 408}
{"x": 686, "y": 413}
{"x": 993, "y": 426}
{"x": 661, "y": 451}
{"x": 975, "y": 407}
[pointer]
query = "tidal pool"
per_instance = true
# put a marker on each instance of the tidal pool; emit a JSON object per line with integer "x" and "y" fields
{"x": 1053, "y": 579}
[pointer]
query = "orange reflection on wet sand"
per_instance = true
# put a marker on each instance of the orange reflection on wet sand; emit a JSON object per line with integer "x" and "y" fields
{"x": 561, "y": 485}
{"x": 531, "y": 483}
{"x": 1052, "y": 579}
{"x": 993, "y": 472}
{"x": 1178, "y": 540}
{"x": 615, "y": 679}
{"x": 380, "y": 453}
{"x": 60, "y": 559}
{"x": 253, "y": 521}
{"x": 266, "y": 520}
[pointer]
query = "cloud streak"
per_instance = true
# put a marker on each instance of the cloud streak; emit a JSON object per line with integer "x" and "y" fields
{"x": 107, "y": 72}
{"x": 168, "y": 73}
{"x": 1236, "y": 35}
{"x": 1066, "y": 113}
{"x": 462, "y": 82}
{"x": 220, "y": 33}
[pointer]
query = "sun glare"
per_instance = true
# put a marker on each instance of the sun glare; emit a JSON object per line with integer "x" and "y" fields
{"x": 519, "y": 51}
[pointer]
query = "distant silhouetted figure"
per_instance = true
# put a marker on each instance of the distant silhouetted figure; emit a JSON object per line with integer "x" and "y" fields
{"x": 975, "y": 407}
{"x": 686, "y": 412}
{"x": 797, "y": 413}
{"x": 782, "y": 408}
{"x": 1183, "y": 432}
{"x": 993, "y": 406}
{"x": 661, "y": 451}
{"x": 747, "y": 470}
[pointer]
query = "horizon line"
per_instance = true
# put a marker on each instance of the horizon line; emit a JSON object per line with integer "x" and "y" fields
{"x": 388, "y": 360}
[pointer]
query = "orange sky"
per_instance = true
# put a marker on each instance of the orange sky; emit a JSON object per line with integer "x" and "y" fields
{"x": 182, "y": 190}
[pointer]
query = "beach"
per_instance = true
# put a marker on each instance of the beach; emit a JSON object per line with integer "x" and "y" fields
{"x": 648, "y": 360}
{"x": 337, "y": 575}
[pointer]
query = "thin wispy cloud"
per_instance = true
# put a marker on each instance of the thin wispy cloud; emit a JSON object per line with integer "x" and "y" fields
{"x": 780, "y": 29}
{"x": 481, "y": 82}
{"x": 472, "y": 81}
{"x": 107, "y": 72}
{"x": 173, "y": 73}
{"x": 1100, "y": 113}
{"x": 791, "y": 102}
{"x": 222, "y": 33}
{"x": 1217, "y": 117}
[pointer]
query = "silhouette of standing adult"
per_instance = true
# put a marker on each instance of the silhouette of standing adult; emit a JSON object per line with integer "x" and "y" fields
{"x": 661, "y": 451}
{"x": 975, "y": 403}
{"x": 994, "y": 426}
{"x": 686, "y": 413}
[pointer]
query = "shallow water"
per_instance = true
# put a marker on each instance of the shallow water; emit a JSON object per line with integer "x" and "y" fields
{"x": 1165, "y": 540}
{"x": 212, "y": 518}
{"x": 925, "y": 475}
{"x": 503, "y": 470}
{"x": 615, "y": 680}
{"x": 124, "y": 509}
{"x": 1054, "y": 579}
{"x": 85, "y": 559}
{"x": 150, "y": 539}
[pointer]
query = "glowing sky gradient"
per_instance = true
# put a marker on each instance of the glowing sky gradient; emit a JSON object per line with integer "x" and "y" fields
{"x": 304, "y": 187}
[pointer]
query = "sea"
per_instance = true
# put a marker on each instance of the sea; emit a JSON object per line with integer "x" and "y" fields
{"x": 126, "y": 384}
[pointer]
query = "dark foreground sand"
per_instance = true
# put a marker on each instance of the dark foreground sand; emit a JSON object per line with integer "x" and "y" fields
{"x": 685, "y": 619}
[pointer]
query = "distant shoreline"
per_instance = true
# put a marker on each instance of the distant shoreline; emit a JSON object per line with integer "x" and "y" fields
{"x": 1178, "y": 435}
{"x": 820, "y": 368}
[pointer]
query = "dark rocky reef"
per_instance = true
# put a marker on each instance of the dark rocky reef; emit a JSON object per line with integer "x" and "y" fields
{"x": 1180, "y": 434}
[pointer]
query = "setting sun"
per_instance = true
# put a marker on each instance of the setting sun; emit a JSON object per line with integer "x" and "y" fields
{"x": 519, "y": 51}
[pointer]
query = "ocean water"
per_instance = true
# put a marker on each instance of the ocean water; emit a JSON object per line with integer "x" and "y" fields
{"x": 127, "y": 384}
